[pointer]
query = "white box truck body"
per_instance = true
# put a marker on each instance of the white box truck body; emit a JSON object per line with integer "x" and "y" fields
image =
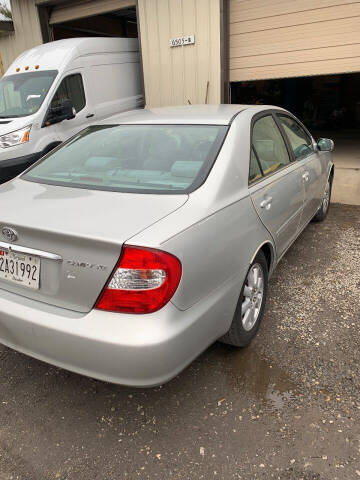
{"x": 53, "y": 91}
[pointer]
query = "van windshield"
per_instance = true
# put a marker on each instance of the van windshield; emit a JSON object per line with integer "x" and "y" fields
{"x": 22, "y": 94}
{"x": 133, "y": 158}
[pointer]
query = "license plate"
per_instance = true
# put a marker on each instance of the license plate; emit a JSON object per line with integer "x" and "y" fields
{"x": 20, "y": 268}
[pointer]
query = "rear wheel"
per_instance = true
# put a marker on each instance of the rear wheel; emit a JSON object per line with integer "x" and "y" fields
{"x": 325, "y": 204}
{"x": 250, "y": 306}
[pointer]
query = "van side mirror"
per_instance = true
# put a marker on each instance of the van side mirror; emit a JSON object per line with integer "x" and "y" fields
{"x": 325, "y": 145}
{"x": 65, "y": 111}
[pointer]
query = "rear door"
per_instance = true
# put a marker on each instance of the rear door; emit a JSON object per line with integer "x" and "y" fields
{"x": 302, "y": 146}
{"x": 276, "y": 183}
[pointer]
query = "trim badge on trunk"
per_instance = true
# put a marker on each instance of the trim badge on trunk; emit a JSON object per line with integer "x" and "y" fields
{"x": 9, "y": 233}
{"x": 76, "y": 263}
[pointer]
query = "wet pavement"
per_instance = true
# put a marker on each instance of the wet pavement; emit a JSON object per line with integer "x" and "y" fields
{"x": 287, "y": 407}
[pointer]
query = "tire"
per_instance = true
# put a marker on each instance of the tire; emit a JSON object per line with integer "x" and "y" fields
{"x": 321, "y": 214}
{"x": 242, "y": 330}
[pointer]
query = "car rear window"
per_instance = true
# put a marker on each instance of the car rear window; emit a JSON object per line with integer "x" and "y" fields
{"x": 133, "y": 158}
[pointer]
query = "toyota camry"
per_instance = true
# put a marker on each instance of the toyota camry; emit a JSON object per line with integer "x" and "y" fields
{"x": 133, "y": 246}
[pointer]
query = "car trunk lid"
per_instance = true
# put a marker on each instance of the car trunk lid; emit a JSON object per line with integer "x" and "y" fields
{"x": 86, "y": 228}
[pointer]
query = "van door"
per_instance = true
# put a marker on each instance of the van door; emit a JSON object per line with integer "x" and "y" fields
{"x": 72, "y": 87}
{"x": 276, "y": 184}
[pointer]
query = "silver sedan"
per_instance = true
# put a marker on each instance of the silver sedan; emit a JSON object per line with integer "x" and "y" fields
{"x": 132, "y": 247}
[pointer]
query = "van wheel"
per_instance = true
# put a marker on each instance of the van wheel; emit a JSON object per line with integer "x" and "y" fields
{"x": 325, "y": 204}
{"x": 250, "y": 307}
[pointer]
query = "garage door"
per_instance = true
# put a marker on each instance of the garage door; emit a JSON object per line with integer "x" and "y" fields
{"x": 292, "y": 38}
{"x": 82, "y": 9}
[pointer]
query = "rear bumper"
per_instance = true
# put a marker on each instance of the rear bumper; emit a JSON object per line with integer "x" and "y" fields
{"x": 11, "y": 167}
{"x": 134, "y": 350}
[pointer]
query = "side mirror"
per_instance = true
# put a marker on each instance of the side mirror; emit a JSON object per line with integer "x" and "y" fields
{"x": 325, "y": 145}
{"x": 65, "y": 111}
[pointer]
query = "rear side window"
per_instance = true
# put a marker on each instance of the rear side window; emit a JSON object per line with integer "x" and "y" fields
{"x": 71, "y": 88}
{"x": 300, "y": 141}
{"x": 134, "y": 158}
{"x": 269, "y": 145}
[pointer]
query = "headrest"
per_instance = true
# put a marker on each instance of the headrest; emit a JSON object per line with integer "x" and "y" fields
{"x": 99, "y": 163}
{"x": 186, "y": 169}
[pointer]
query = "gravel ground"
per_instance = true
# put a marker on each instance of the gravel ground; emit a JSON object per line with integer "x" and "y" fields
{"x": 287, "y": 407}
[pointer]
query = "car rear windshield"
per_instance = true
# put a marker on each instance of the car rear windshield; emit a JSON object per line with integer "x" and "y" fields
{"x": 133, "y": 158}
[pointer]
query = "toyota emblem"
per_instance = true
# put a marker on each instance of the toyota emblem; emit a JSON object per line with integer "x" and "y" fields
{"x": 9, "y": 233}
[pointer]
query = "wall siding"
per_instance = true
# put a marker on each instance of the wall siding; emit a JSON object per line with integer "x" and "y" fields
{"x": 174, "y": 76}
{"x": 27, "y": 31}
{"x": 290, "y": 38}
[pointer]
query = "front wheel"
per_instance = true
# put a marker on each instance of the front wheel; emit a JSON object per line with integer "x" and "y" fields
{"x": 250, "y": 306}
{"x": 325, "y": 204}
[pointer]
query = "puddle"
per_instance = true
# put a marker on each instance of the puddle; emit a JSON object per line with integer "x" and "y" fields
{"x": 277, "y": 398}
{"x": 247, "y": 371}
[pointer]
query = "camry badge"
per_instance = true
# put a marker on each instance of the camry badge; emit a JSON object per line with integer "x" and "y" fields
{"x": 9, "y": 233}
{"x": 76, "y": 263}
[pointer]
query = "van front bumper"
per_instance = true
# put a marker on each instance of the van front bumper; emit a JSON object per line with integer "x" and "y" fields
{"x": 135, "y": 350}
{"x": 11, "y": 167}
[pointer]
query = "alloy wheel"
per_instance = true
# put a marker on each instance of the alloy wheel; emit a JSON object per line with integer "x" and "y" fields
{"x": 326, "y": 198}
{"x": 252, "y": 297}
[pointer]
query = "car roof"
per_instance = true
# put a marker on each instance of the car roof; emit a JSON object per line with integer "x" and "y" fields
{"x": 221, "y": 114}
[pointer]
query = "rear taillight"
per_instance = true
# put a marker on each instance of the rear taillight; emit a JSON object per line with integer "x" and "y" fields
{"x": 144, "y": 281}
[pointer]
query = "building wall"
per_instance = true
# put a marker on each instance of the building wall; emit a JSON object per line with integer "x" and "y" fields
{"x": 172, "y": 76}
{"x": 180, "y": 74}
{"x": 27, "y": 31}
{"x": 292, "y": 38}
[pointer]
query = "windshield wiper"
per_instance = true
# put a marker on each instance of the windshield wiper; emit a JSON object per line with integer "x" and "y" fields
{"x": 10, "y": 116}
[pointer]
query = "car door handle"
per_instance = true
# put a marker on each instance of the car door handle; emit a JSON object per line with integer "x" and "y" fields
{"x": 89, "y": 115}
{"x": 266, "y": 203}
{"x": 306, "y": 176}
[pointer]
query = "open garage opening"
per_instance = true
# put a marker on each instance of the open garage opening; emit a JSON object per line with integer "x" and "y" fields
{"x": 329, "y": 105}
{"x": 119, "y": 23}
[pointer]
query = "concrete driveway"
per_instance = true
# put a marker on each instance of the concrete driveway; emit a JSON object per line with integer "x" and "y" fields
{"x": 346, "y": 188}
{"x": 285, "y": 408}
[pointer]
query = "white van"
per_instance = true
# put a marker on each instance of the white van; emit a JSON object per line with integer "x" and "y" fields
{"x": 55, "y": 90}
